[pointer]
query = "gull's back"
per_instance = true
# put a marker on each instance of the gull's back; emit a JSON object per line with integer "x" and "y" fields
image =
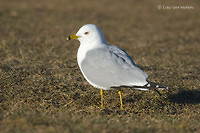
{"x": 109, "y": 66}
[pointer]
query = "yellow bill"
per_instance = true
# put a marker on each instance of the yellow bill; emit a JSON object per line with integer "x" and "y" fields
{"x": 72, "y": 37}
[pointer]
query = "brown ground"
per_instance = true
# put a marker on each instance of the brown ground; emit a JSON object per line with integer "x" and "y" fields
{"x": 42, "y": 89}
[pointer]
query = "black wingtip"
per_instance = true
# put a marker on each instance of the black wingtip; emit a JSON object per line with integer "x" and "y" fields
{"x": 158, "y": 92}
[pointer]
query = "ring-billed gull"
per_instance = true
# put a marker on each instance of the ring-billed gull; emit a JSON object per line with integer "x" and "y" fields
{"x": 106, "y": 66}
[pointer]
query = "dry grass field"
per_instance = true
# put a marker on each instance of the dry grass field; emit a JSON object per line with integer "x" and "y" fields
{"x": 42, "y": 89}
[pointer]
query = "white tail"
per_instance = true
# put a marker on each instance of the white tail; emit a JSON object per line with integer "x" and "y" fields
{"x": 148, "y": 86}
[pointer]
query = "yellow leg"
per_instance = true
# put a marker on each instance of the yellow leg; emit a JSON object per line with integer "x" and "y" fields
{"x": 120, "y": 96}
{"x": 101, "y": 93}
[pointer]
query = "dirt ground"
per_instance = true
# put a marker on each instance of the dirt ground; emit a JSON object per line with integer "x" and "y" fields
{"x": 42, "y": 89}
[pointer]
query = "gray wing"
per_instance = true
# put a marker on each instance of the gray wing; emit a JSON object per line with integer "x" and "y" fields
{"x": 111, "y": 66}
{"x": 121, "y": 53}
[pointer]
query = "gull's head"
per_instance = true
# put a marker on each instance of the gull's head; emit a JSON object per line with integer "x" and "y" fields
{"x": 88, "y": 33}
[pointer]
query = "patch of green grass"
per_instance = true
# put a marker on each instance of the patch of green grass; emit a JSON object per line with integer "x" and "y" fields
{"x": 43, "y": 90}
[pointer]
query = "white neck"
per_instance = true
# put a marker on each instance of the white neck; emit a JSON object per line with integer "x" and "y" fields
{"x": 84, "y": 48}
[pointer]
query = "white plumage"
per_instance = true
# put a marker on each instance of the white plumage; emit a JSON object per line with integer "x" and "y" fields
{"x": 104, "y": 65}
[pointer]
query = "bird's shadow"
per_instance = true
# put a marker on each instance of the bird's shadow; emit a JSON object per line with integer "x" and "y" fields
{"x": 185, "y": 96}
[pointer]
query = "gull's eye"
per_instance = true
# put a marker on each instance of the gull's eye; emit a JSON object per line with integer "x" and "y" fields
{"x": 86, "y": 33}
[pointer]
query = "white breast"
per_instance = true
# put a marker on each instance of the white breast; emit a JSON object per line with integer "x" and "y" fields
{"x": 82, "y": 51}
{"x": 81, "y": 54}
{"x": 84, "y": 48}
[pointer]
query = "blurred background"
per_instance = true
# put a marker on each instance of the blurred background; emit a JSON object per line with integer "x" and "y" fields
{"x": 43, "y": 90}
